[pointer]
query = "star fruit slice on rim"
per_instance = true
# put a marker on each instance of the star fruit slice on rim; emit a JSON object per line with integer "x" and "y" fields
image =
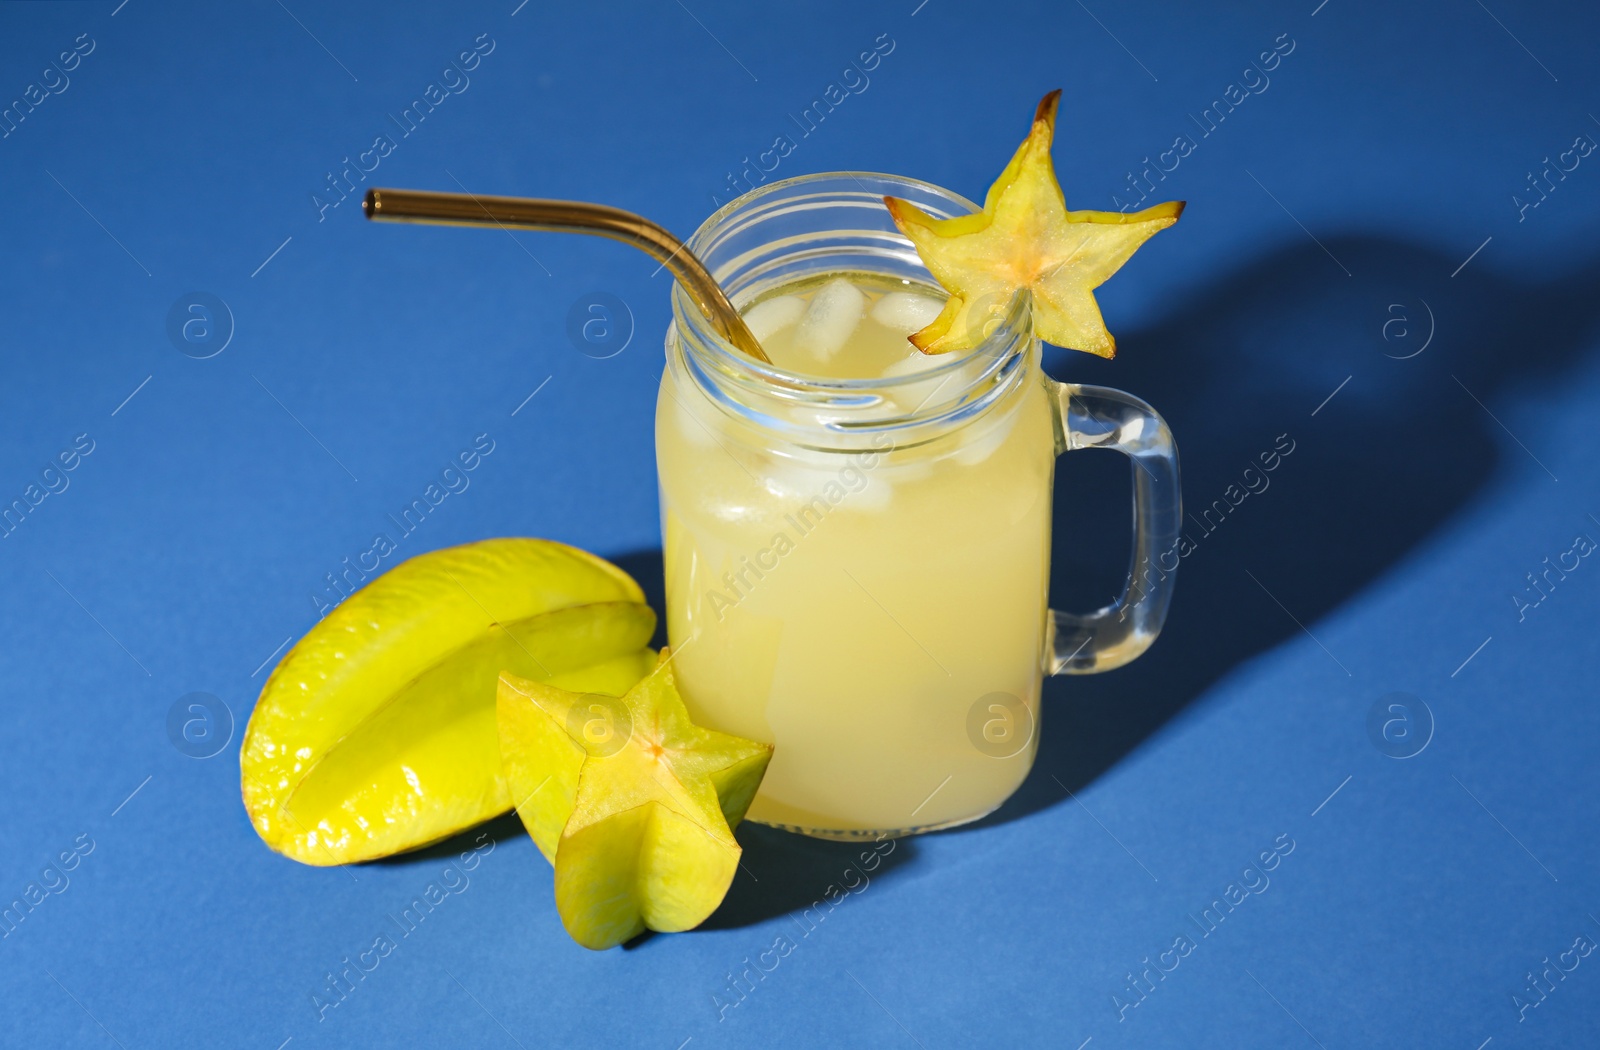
{"x": 1026, "y": 238}
{"x": 376, "y": 734}
{"x": 633, "y": 803}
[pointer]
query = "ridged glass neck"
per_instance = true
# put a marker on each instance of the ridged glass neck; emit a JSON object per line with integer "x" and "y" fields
{"x": 828, "y": 224}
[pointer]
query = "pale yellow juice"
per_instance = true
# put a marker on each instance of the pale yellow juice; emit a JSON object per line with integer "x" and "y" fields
{"x": 880, "y": 615}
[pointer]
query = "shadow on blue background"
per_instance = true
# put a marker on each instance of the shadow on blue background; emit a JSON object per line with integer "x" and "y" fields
{"x": 1402, "y": 455}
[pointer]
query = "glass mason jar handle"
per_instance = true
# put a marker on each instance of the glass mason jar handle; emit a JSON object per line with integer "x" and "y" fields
{"x": 1099, "y": 417}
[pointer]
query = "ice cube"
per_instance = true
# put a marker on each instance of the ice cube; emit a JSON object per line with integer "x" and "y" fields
{"x": 985, "y": 436}
{"x": 916, "y": 361}
{"x": 793, "y": 471}
{"x": 906, "y": 312}
{"x": 830, "y": 320}
{"x": 824, "y": 481}
{"x": 694, "y": 428}
{"x": 912, "y": 396}
{"x": 979, "y": 447}
{"x": 771, "y": 316}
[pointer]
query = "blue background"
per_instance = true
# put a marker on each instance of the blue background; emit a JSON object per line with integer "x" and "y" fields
{"x": 1383, "y": 558}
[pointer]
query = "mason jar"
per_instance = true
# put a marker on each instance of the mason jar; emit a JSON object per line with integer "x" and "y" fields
{"x": 856, "y": 569}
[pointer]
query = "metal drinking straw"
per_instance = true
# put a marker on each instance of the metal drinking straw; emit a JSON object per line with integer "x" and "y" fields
{"x": 528, "y": 213}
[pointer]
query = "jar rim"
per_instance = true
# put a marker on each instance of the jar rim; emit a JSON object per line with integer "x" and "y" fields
{"x": 725, "y": 354}
{"x": 741, "y": 255}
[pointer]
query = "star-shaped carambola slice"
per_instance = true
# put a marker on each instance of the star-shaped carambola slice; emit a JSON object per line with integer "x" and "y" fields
{"x": 1026, "y": 238}
{"x": 633, "y": 803}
